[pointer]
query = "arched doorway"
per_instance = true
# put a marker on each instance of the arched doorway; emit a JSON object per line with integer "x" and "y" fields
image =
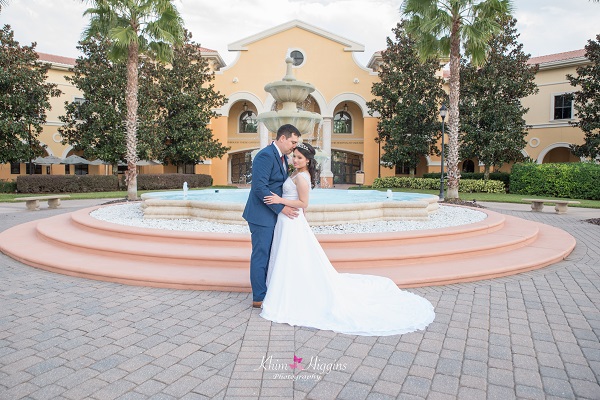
{"x": 560, "y": 155}
{"x": 344, "y": 166}
{"x": 241, "y": 167}
{"x": 468, "y": 166}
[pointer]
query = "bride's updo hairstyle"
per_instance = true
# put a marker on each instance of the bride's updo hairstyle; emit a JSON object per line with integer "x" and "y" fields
{"x": 309, "y": 152}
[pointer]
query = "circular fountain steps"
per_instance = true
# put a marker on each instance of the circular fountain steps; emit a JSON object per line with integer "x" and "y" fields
{"x": 79, "y": 245}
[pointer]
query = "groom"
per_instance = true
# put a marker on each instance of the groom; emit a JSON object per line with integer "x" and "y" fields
{"x": 269, "y": 171}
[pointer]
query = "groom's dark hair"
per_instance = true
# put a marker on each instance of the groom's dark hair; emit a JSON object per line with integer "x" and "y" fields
{"x": 287, "y": 130}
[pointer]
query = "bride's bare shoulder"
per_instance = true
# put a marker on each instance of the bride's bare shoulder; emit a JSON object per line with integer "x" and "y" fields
{"x": 305, "y": 175}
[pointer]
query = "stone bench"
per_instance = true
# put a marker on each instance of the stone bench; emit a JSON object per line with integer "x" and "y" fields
{"x": 33, "y": 203}
{"x": 561, "y": 206}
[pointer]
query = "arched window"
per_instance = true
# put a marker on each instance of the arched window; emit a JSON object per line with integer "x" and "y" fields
{"x": 248, "y": 123}
{"x": 468, "y": 166}
{"x": 342, "y": 122}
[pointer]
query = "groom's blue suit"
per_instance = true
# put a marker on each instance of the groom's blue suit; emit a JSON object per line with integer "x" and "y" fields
{"x": 268, "y": 175}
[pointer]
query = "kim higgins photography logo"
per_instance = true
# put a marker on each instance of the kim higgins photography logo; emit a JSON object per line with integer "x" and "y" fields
{"x": 314, "y": 369}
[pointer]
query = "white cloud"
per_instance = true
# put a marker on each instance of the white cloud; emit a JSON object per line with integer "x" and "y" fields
{"x": 546, "y": 27}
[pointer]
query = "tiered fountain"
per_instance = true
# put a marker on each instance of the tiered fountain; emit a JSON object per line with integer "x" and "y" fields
{"x": 290, "y": 92}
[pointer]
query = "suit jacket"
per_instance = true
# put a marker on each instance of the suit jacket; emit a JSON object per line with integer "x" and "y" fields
{"x": 268, "y": 175}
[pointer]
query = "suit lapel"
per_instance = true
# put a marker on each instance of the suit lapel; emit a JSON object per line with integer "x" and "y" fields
{"x": 277, "y": 157}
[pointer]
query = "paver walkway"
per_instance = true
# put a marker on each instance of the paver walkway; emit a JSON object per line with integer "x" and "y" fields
{"x": 534, "y": 335}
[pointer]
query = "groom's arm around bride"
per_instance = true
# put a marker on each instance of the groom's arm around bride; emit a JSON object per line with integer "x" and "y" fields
{"x": 269, "y": 172}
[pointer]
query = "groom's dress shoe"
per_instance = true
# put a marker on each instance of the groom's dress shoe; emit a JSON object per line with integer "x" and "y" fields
{"x": 257, "y": 304}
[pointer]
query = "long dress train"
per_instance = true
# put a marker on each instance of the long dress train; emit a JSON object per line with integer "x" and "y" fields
{"x": 304, "y": 289}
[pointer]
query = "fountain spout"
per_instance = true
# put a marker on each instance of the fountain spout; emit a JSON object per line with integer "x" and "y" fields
{"x": 289, "y": 76}
{"x": 185, "y": 189}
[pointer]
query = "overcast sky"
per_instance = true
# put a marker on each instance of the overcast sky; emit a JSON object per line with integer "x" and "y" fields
{"x": 546, "y": 26}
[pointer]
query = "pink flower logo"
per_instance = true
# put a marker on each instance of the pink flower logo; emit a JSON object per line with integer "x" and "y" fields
{"x": 297, "y": 364}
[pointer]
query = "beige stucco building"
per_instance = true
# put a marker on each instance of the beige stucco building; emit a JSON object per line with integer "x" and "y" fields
{"x": 343, "y": 87}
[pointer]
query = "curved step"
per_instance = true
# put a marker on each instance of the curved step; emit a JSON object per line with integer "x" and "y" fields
{"x": 116, "y": 268}
{"x": 78, "y": 231}
{"x": 552, "y": 246}
{"x": 79, "y": 245}
{"x": 62, "y": 232}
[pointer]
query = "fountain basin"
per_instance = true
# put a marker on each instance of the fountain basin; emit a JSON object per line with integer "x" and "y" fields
{"x": 328, "y": 207}
{"x": 304, "y": 121}
{"x": 289, "y": 90}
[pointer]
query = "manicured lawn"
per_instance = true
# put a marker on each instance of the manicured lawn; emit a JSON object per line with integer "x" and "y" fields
{"x": 9, "y": 197}
{"x": 500, "y": 197}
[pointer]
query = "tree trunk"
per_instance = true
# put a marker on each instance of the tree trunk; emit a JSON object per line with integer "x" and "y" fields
{"x": 486, "y": 172}
{"x": 453, "y": 173}
{"x": 411, "y": 172}
{"x": 131, "y": 100}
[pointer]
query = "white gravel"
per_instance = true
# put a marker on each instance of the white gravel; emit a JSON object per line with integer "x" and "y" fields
{"x": 132, "y": 215}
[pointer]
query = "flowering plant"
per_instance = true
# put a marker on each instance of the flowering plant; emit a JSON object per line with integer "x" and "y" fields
{"x": 291, "y": 168}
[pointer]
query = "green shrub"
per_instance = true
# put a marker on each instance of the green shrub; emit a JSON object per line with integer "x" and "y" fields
{"x": 66, "y": 183}
{"x": 465, "y": 185}
{"x": 568, "y": 180}
{"x": 172, "y": 181}
{"x": 8, "y": 186}
{"x": 494, "y": 176}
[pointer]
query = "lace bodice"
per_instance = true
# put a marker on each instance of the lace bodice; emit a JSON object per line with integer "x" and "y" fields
{"x": 289, "y": 187}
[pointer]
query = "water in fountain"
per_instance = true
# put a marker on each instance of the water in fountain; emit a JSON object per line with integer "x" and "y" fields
{"x": 185, "y": 190}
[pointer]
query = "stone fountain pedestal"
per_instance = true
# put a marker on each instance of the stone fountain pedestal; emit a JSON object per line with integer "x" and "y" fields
{"x": 291, "y": 92}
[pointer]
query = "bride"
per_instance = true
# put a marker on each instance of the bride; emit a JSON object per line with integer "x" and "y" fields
{"x": 304, "y": 289}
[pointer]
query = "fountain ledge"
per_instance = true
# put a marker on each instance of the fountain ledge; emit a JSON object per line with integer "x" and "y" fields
{"x": 316, "y": 214}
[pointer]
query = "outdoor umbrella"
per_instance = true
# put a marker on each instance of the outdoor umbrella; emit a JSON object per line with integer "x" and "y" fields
{"x": 142, "y": 163}
{"x": 48, "y": 160}
{"x": 75, "y": 160}
{"x": 99, "y": 162}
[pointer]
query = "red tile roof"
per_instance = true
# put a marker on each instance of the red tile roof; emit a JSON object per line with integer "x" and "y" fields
{"x": 71, "y": 61}
{"x": 557, "y": 57}
{"x": 56, "y": 59}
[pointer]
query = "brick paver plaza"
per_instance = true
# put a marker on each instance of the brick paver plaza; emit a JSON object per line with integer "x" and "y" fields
{"x": 531, "y": 336}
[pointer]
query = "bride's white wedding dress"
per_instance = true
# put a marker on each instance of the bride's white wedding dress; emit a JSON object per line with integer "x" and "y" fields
{"x": 304, "y": 289}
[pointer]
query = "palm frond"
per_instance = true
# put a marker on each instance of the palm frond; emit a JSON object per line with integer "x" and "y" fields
{"x": 118, "y": 52}
{"x": 163, "y": 51}
{"x": 123, "y": 35}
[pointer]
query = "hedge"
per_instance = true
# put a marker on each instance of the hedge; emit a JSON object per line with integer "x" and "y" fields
{"x": 8, "y": 187}
{"x": 172, "y": 181}
{"x": 465, "y": 185}
{"x": 494, "y": 176}
{"x": 567, "y": 180}
{"x": 106, "y": 183}
{"x": 66, "y": 183}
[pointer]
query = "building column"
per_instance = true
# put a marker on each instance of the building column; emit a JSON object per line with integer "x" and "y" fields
{"x": 326, "y": 174}
{"x": 263, "y": 135}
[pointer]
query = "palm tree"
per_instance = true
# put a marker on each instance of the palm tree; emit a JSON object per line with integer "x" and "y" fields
{"x": 445, "y": 27}
{"x": 134, "y": 28}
